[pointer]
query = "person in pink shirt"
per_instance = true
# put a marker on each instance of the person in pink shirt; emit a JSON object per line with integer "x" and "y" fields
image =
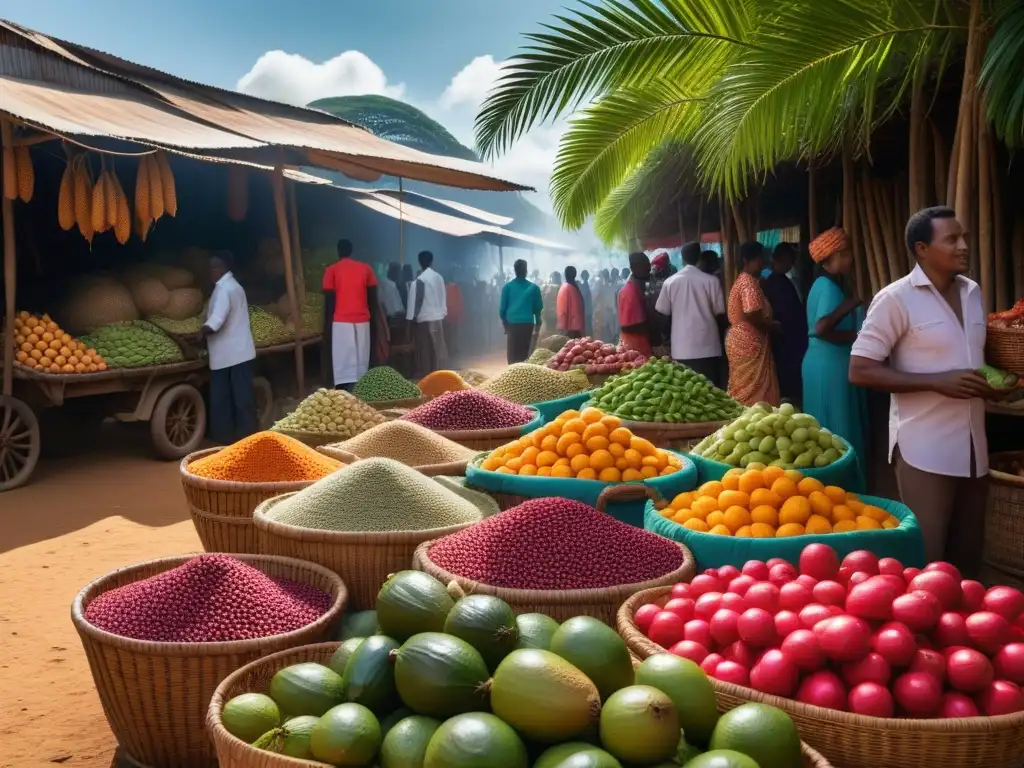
{"x": 571, "y": 320}
{"x": 632, "y": 301}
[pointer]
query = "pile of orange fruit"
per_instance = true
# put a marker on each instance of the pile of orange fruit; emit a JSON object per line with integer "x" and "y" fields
{"x": 770, "y": 502}
{"x": 588, "y": 445}
{"x": 41, "y": 344}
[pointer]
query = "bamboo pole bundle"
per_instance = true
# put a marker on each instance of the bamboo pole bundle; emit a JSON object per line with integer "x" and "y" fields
{"x": 850, "y": 221}
{"x": 1004, "y": 259}
{"x": 964, "y": 189}
{"x": 986, "y": 255}
{"x": 881, "y": 277}
{"x": 918, "y": 185}
{"x": 940, "y": 154}
{"x": 885, "y": 201}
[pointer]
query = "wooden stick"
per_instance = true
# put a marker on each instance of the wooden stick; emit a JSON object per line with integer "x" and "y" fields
{"x": 293, "y": 218}
{"x": 812, "y": 201}
{"x": 918, "y": 150}
{"x": 963, "y": 188}
{"x": 289, "y": 274}
{"x": 741, "y": 225}
{"x": 884, "y": 203}
{"x": 875, "y": 232}
{"x": 940, "y": 156}
{"x": 10, "y": 272}
{"x": 984, "y": 220}
{"x": 850, "y": 224}
{"x": 1003, "y": 258}
{"x": 865, "y": 234}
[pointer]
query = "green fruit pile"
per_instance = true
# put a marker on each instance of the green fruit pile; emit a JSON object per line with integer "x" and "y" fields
{"x": 539, "y": 356}
{"x": 133, "y": 344}
{"x": 331, "y": 412}
{"x": 441, "y": 679}
{"x": 187, "y": 326}
{"x": 384, "y": 383}
{"x": 525, "y": 383}
{"x": 781, "y": 437}
{"x": 267, "y": 328}
{"x": 665, "y": 392}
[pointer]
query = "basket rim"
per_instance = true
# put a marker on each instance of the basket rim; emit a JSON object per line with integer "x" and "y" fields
{"x": 318, "y": 536}
{"x": 469, "y": 434}
{"x": 629, "y": 632}
{"x": 1005, "y": 478}
{"x": 236, "y": 486}
{"x": 421, "y": 558}
{"x": 457, "y": 467}
{"x": 94, "y": 588}
{"x": 383, "y": 405}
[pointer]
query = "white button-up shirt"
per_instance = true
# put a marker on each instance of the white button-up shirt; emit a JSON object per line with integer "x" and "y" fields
{"x": 693, "y": 299}
{"x": 910, "y": 323}
{"x": 435, "y": 304}
{"x": 228, "y": 317}
{"x": 389, "y": 298}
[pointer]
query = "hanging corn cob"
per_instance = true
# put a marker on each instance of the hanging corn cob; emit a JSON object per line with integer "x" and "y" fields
{"x": 66, "y": 198}
{"x": 142, "y": 209}
{"x": 123, "y": 217}
{"x": 25, "y": 172}
{"x": 170, "y": 195}
{"x": 238, "y": 193}
{"x": 141, "y": 227}
{"x": 156, "y": 189}
{"x": 110, "y": 199}
{"x": 99, "y": 204}
{"x": 83, "y": 197}
{"x": 10, "y": 174}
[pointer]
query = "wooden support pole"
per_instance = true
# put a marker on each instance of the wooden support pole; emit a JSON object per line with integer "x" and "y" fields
{"x": 918, "y": 145}
{"x": 986, "y": 238}
{"x": 401, "y": 223}
{"x": 885, "y": 201}
{"x": 1003, "y": 258}
{"x": 850, "y": 220}
{"x": 941, "y": 159}
{"x": 293, "y": 217}
{"x": 741, "y": 226}
{"x": 289, "y": 274}
{"x": 10, "y": 271}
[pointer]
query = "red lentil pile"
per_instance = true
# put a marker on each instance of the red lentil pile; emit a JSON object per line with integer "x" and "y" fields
{"x": 210, "y": 598}
{"x": 469, "y": 409}
{"x": 554, "y": 543}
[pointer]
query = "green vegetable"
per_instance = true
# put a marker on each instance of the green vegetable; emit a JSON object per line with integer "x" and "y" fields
{"x": 998, "y": 379}
{"x": 384, "y": 383}
{"x": 133, "y": 344}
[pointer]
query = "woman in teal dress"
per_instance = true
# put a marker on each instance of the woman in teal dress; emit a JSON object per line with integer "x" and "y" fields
{"x": 833, "y": 318}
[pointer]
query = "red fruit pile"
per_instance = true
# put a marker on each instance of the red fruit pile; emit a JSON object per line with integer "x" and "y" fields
{"x": 211, "y": 598}
{"x": 469, "y": 409}
{"x": 595, "y": 356}
{"x": 555, "y": 543}
{"x": 866, "y": 636}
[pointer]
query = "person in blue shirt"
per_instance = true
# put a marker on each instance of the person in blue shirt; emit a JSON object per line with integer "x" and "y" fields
{"x": 520, "y": 312}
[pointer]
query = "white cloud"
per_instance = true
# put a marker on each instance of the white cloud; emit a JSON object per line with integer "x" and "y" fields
{"x": 294, "y": 79}
{"x": 472, "y": 83}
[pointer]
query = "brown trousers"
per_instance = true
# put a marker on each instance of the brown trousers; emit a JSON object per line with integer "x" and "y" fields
{"x": 950, "y": 512}
{"x": 431, "y": 351}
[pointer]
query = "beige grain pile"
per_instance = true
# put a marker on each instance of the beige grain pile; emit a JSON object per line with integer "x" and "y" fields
{"x": 404, "y": 441}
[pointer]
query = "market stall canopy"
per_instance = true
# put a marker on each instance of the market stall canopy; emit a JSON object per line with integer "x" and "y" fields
{"x": 468, "y": 210}
{"x": 321, "y": 139}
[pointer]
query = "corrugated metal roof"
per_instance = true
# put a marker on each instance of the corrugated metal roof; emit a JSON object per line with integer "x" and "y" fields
{"x": 469, "y": 210}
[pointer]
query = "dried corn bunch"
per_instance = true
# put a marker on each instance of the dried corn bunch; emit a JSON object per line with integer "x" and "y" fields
{"x": 143, "y": 211}
{"x": 156, "y": 189}
{"x": 10, "y": 174}
{"x": 25, "y": 172}
{"x": 238, "y": 193}
{"x": 122, "y": 216}
{"x": 170, "y": 195}
{"x": 83, "y": 197}
{"x": 98, "y": 207}
{"x": 66, "y": 197}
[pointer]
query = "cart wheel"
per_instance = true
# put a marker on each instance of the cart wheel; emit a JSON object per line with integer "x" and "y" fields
{"x": 264, "y": 396}
{"x": 19, "y": 442}
{"x": 178, "y": 422}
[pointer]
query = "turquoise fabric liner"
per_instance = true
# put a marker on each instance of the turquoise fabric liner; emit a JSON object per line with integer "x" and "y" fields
{"x": 552, "y": 409}
{"x": 587, "y": 491}
{"x": 842, "y": 472}
{"x": 905, "y": 543}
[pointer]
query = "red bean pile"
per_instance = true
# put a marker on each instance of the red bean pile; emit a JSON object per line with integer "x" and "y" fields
{"x": 555, "y": 543}
{"x": 469, "y": 409}
{"x": 211, "y": 598}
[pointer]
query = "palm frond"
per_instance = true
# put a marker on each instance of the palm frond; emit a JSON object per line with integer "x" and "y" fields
{"x": 604, "y": 46}
{"x": 1002, "y": 75}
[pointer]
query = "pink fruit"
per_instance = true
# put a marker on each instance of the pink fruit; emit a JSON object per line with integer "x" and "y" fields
{"x": 801, "y": 648}
{"x": 731, "y": 672}
{"x": 698, "y": 631}
{"x": 830, "y": 593}
{"x": 727, "y": 573}
{"x": 1001, "y": 697}
{"x": 870, "y": 699}
{"x": 793, "y": 596}
{"x": 774, "y": 674}
{"x": 683, "y": 607}
{"x": 645, "y": 615}
{"x": 844, "y": 575}
{"x": 873, "y": 668}
{"x": 857, "y": 577}
{"x": 687, "y": 649}
{"x": 944, "y": 567}
{"x": 958, "y": 705}
{"x": 987, "y": 631}
{"x": 807, "y": 581}
{"x": 1009, "y": 663}
{"x": 707, "y": 604}
{"x": 786, "y": 623}
{"x": 890, "y": 566}
{"x": 894, "y": 643}
{"x": 763, "y": 595}
{"x": 711, "y": 661}
{"x": 756, "y": 627}
{"x": 772, "y": 562}
{"x": 974, "y": 595}
{"x": 909, "y": 574}
{"x": 918, "y": 610}
{"x": 813, "y": 613}
{"x": 823, "y": 689}
{"x": 941, "y": 584}
{"x": 756, "y": 570}
{"x": 702, "y": 584}
{"x": 1006, "y": 601}
{"x": 819, "y": 561}
{"x": 918, "y": 694}
{"x": 741, "y": 584}
{"x": 873, "y": 599}
{"x": 681, "y": 590}
{"x": 712, "y": 572}
{"x": 741, "y": 653}
{"x": 667, "y": 629}
{"x": 723, "y": 627}
{"x": 968, "y": 671}
{"x": 862, "y": 561}
{"x": 733, "y": 602}
{"x": 951, "y": 629}
{"x": 781, "y": 573}
{"x": 929, "y": 662}
{"x": 844, "y": 638}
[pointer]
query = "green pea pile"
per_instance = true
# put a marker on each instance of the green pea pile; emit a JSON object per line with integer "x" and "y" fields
{"x": 189, "y": 325}
{"x": 384, "y": 383}
{"x": 540, "y": 356}
{"x": 379, "y": 495}
{"x": 525, "y": 383}
{"x": 267, "y": 328}
{"x": 666, "y": 392}
{"x": 331, "y": 412}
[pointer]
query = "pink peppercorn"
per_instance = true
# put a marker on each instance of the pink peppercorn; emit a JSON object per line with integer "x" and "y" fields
{"x": 469, "y": 409}
{"x": 555, "y": 543}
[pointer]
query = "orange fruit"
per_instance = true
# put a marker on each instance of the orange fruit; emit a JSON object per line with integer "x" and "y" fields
{"x": 490, "y": 463}
{"x": 771, "y": 474}
{"x": 762, "y": 531}
{"x": 743, "y": 533}
{"x": 46, "y": 362}
{"x": 794, "y": 474}
{"x": 683, "y": 500}
{"x": 621, "y": 464}
{"x": 570, "y": 414}
{"x": 646, "y": 447}
{"x": 820, "y": 504}
{"x": 704, "y": 506}
{"x": 561, "y": 471}
{"x": 504, "y": 471}
{"x": 795, "y": 509}
{"x": 668, "y": 471}
{"x": 756, "y": 465}
{"x": 875, "y": 513}
{"x": 809, "y": 485}
{"x": 543, "y": 471}
{"x": 836, "y": 494}
{"x": 717, "y": 517}
{"x": 563, "y": 443}
{"x": 730, "y": 482}
{"x": 842, "y": 512}
{"x": 617, "y": 450}
{"x": 634, "y": 458}
{"x": 595, "y": 430}
{"x": 612, "y": 422}
{"x": 737, "y": 517}
{"x": 855, "y": 504}
{"x": 601, "y": 459}
{"x": 622, "y": 436}
{"x": 629, "y": 475}
{"x": 891, "y": 519}
{"x": 844, "y": 526}
{"x": 720, "y": 530}
{"x": 751, "y": 480}
{"x": 562, "y": 462}
{"x": 574, "y": 425}
{"x": 596, "y": 443}
{"x": 890, "y": 524}
{"x": 610, "y": 475}
{"x": 695, "y": 524}
{"x": 549, "y": 443}
{"x": 546, "y": 458}
{"x": 649, "y": 472}
{"x": 818, "y": 524}
{"x": 789, "y": 529}
{"x": 765, "y": 497}
{"x": 587, "y": 474}
{"x": 514, "y": 464}
{"x": 528, "y": 441}
{"x": 728, "y": 499}
{"x": 529, "y": 455}
{"x": 579, "y": 462}
{"x": 671, "y": 458}
{"x": 734, "y": 472}
{"x": 711, "y": 488}
{"x": 575, "y": 449}
{"x": 784, "y": 487}
{"x": 865, "y": 523}
{"x": 528, "y": 469}
{"x": 513, "y": 449}
{"x": 591, "y": 415}
{"x": 765, "y": 514}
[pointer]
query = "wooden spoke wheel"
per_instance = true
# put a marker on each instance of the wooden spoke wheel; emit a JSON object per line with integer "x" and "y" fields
{"x": 19, "y": 442}
{"x": 178, "y": 422}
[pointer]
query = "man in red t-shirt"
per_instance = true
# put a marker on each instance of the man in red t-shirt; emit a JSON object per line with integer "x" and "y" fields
{"x": 350, "y": 304}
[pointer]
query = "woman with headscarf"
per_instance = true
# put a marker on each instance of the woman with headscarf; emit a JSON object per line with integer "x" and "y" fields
{"x": 834, "y": 315}
{"x": 752, "y": 377}
{"x": 789, "y": 346}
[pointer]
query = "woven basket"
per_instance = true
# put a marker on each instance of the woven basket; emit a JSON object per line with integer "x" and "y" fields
{"x": 408, "y": 402}
{"x": 856, "y": 741}
{"x": 448, "y": 469}
{"x": 313, "y": 439}
{"x": 222, "y": 509}
{"x": 672, "y": 435}
{"x": 363, "y": 559}
{"x": 1004, "y": 517}
{"x": 155, "y": 695}
{"x": 1004, "y": 348}
{"x": 489, "y": 439}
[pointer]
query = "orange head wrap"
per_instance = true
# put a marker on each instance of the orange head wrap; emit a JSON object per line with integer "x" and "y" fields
{"x": 827, "y": 243}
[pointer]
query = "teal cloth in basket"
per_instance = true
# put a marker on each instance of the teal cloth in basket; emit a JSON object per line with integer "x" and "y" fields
{"x": 905, "y": 543}
{"x": 843, "y": 472}
{"x": 552, "y": 409}
{"x": 587, "y": 491}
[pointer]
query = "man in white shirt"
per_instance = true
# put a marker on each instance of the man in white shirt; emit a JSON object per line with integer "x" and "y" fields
{"x": 694, "y": 300}
{"x": 232, "y": 352}
{"x": 930, "y": 326}
{"x": 428, "y": 307}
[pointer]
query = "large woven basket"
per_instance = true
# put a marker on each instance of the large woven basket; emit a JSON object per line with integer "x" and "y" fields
{"x": 1004, "y": 348}
{"x": 363, "y": 559}
{"x": 673, "y": 435}
{"x": 222, "y": 509}
{"x": 489, "y": 439}
{"x": 856, "y": 741}
{"x": 1004, "y": 517}
{"x": 155, "y": 695}
{"x": 448, "y": 469}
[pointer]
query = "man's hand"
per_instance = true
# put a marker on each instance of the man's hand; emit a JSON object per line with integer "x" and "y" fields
{"x": 962, "y": 385}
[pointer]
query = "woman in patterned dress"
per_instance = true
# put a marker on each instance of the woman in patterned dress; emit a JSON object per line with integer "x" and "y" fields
{"x": 752, "y": 377}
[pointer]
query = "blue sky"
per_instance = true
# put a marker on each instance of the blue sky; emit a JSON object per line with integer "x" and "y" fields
{"x": 441, "y": 55}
